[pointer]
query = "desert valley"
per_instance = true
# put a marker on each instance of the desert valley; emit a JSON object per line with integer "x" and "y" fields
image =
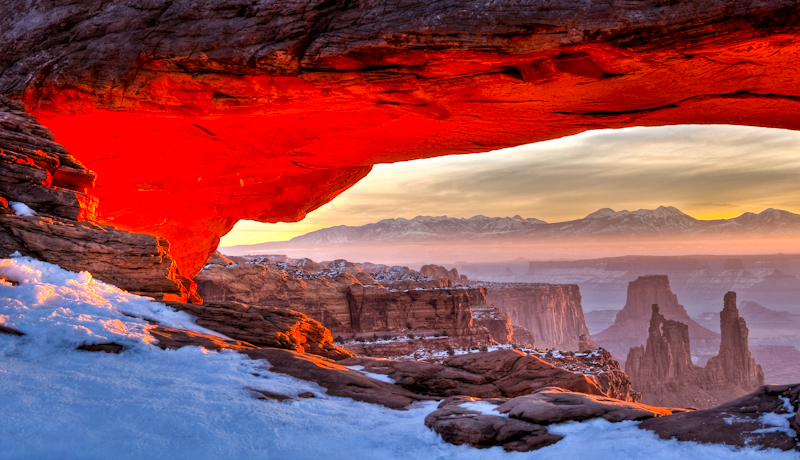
{"x": 139, "y": 320}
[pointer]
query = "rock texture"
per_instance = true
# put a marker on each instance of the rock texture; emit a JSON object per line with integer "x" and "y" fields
{"x": 734, "y": 363}
{"x": 741, "y": 422}
{"x": 266, "y": 327}
{"x": 601, "y": 366}
{"x": 438, "y": 271}
{"x": 62, "y": 227}
{"x": 631, "y": 324}
{"x": 354, "y": 302}
{"x": 496, "y": 374}
{"x": 552, "y": 313}
{"x": 524, "y": 428}
{"x": 664, "y": 373}
{"x": 265, "y": 91}
{"x": 336, "y": 379}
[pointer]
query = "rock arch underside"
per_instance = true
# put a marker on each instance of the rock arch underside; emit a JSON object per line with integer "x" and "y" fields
{"x": 197, "y": 113}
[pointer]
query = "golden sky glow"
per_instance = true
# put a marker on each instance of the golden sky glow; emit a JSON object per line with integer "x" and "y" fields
{"x": 706, "y": 171}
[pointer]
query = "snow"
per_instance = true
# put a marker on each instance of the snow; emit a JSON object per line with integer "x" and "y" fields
{"x": 58, "y": 402}
{"x": 776, "y": 423}
{"x": 21, "y": 209}
{"x": 483, "y": 407}
{"x": 372, "y": 375}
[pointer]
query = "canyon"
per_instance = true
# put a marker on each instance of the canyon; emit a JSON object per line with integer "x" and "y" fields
{"x": 405, "y": 309}
{"x": 663, "y": 371}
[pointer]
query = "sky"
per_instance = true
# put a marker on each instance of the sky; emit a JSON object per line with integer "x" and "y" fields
{"x": 706, "y": 171}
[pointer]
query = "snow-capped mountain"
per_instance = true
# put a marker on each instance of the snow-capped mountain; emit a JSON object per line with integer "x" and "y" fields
{"x": 662, "y": 221}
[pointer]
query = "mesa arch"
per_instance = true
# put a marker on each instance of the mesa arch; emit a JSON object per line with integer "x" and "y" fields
{"x": 196, "y": 114}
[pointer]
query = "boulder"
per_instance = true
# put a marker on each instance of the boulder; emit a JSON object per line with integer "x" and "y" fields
{"x": 459, "y": 425}
{"x": 556, "y": 405}
{"x": 520, "y": 424}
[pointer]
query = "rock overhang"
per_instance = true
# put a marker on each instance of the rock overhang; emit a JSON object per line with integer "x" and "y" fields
{"x": 198, "y": 114}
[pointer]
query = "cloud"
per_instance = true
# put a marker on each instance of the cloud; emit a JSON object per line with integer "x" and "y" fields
{"x": 704, "y": 170}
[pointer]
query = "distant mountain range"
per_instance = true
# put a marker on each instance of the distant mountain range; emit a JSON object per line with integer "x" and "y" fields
{"x": 663, "y": 221}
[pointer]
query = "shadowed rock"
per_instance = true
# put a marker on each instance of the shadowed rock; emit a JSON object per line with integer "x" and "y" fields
{"x": 766, "y": 418}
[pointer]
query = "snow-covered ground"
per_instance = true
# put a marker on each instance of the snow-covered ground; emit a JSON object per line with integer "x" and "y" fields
{"x": 57, "y": 402}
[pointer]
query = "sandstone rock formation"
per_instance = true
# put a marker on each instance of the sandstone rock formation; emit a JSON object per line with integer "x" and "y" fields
{"x": 664, "y": 373}
{"x": 734, "y": 364}
{"x": 336, "y": 379}
{"x": 742, "y": 422}
{"x": 601, "y": 366}
{"x": 353, "y": 301}
{"x": 496, "y": 374}
{"x": 437, "y": 271}
{"x": 266, "y": 327}
{"x": 552, "y": 313}
{"x": 460, "y": 420}
{"x": 210, "y": 106}
{"x": 460, "y": 425}
{"x": 62, "y": 228}
{"x": 631, "y": 325}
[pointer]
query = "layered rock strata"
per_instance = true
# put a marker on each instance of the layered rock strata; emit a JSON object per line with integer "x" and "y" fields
{"x": 278, "y": 86}
{"x": 664, "y": 373}
{"x": 552, "y": 313}
{"x": 631, "y": 324}
{"x": 266, "y": 327}
{"x": 354, "y": 302}
{"x": 58, "y": 219}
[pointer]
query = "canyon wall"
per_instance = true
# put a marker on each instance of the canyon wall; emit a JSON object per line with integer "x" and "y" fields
{"x": 663, "y": 371}
{"x": 631, "y": 324}
{"x": 349, "y": 300}
{"x": 204, "y": 112}
{"x": 552, "y": 313}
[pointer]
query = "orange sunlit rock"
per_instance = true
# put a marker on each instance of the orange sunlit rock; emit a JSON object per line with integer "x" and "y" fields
{"x": 194, "y": 118}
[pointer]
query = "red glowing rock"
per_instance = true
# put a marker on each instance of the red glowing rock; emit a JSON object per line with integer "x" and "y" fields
{"x": 196, "y": 114}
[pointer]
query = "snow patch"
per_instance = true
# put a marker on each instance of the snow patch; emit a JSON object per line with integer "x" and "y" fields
{"x": 484, "y": 407}
{"x": 372, "y": 375}
{"x": 21, "y": 209}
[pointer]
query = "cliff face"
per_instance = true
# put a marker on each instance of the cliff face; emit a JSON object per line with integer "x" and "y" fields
{"x": 60, "y": 225}
{"x": 278, "y": 86}
{"x": 663, "y": 371}
{"x": 349, "y": 300}
{"x": 552, "y": 313}
{"x": 631, "y": 324}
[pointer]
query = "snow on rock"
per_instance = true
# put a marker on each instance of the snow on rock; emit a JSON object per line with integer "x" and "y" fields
{"x": 59, "y": 402}
{"x": 21, "y": 209}
{"x": 372, "y": 375}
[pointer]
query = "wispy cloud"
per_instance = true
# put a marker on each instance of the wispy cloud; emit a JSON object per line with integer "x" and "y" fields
{"x": 704, "y": 170}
